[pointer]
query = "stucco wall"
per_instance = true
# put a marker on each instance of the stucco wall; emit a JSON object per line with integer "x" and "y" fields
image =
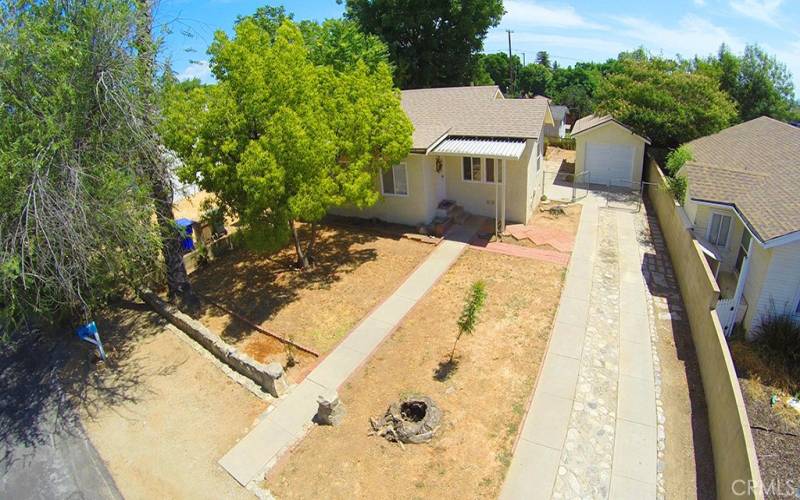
{"x": 415, "y": 208}
{"x": 610, "y": 133}
{"x": 479, "y": 198}
{"x": 732, "y": 442}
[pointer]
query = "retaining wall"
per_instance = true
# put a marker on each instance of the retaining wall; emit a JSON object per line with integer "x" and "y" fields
{"x": 735, "y": 461}
{"x": 268, "y": 377}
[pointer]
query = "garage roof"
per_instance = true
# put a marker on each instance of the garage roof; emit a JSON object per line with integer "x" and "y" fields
{"x": 509, "y": 149}
{"x": 593, "y": 121}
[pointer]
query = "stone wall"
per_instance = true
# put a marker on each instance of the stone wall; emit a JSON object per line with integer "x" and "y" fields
{"x": 269, "y": 377}
{"x": 735, "y": 461}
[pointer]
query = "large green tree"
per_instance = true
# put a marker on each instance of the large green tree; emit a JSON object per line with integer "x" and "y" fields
{"x": 281, "y": 137}
{"x": 534, "y": 79}
{"x": 433, "y": 43}
{"x": 759, "y": 83}
{"x": 75, "y": 207}
{"x": 658, "y": 98}
{"x": 496, "y": 66}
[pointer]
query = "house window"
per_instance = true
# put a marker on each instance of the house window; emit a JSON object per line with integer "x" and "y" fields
{"x": 394, "y": 181}
{"x": 743, "y": 248}
{"x": 720, "y": 227}
{"x": 489, "y": 164}
{"x": 471, "y": 169}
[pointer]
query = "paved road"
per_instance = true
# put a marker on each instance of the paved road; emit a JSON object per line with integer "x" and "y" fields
{"x": 44, "y": 453}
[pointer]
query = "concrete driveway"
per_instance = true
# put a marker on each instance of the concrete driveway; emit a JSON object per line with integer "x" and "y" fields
{"x": 594, "y": 428}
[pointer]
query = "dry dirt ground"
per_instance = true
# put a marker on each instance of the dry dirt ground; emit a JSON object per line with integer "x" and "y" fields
{"x": 483, "y": 400}
{"x": 354, "y": 272}
{"x": 174, "y": 413}
{"x": 689, "y": 468}
{"x": 558, "y": 154}
{"x": 776, "y": 429}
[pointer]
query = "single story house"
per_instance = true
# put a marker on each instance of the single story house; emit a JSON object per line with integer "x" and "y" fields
{"x": 743, "y": 204}
{"x": 471, "y": 146}
{"x": 608, "y": 152}
{"x": 560, "y": 127}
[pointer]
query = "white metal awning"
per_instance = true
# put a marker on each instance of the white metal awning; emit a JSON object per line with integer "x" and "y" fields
{"x": 507, "y": 149}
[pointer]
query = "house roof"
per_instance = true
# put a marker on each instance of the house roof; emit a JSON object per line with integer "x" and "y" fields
{"x": 471, "y": 112}
{"x": 754, "y": 166}
{"x": 593, "y": 121}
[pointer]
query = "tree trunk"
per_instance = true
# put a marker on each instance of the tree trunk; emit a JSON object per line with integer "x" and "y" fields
{"x": 312, "y": 240}
{"x": 156, "y": 171}
{"x": 302, "y": 260}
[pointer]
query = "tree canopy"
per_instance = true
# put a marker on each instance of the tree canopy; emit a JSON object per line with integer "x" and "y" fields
{"x": 75, "y": 206}
{"x": 282, "y": 137}
{"x": 431, "y": 43}
{"x": 658, "y": 99}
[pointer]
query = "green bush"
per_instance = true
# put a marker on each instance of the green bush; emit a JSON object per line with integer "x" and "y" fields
{"x": 779, "y": 334}
{"x": 677, "y": 186}
{"x": 676, "y": 159}
{"x": 565, "y": 143}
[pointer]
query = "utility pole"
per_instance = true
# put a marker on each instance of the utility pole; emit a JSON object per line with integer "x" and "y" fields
{"x": 523, "y": 59}
{"x": 510, "y": 66}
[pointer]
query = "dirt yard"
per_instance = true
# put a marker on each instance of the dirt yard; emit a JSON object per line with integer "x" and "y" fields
{"x": 776, "y": 428}
{"x": 354, "y": 272}
{"x": 558, "y": 154}
{"x": 483, "y": 400}
{"x": 173, "y": 415}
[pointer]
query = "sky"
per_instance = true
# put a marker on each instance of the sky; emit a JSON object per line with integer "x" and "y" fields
{"x": 569, "y": 30}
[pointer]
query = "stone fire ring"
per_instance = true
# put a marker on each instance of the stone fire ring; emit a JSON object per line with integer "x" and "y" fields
{"x": 413, "y": 419}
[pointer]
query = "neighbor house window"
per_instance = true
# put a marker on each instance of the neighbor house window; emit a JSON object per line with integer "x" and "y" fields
{"x": 720, "y": 227}
{"x": 394, "y": 180}
{"x": 471, "y": 169}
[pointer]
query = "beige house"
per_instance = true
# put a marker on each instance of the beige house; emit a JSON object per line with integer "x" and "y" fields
{"x": 471, "y": 147}
{"x": 744, "y": 207}
{"x": 608, "y": 152}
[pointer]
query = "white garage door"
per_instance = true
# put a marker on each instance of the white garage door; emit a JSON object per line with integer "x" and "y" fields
{"x": 610, "y": 164}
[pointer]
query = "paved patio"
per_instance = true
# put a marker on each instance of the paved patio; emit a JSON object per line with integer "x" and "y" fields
{"x": 286, "y": 422}
{"x": 592, "y": 430}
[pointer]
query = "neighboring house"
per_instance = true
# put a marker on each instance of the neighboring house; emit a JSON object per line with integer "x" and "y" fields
{"x": 608, "y": 152}
{"x": 743, "y": 203}
{"x": 470, "y": 146}
{"x": 559, "y": 128}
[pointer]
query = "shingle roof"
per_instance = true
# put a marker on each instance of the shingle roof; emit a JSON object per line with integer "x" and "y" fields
{"x": 754, "y": 166}
{"x": 592, "y": 121}
{"x": 471, "y": 112}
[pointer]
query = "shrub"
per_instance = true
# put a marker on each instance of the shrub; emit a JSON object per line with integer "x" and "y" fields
{"x": 677, "y": 186}
{"x": 469, "y": 315}
{"x": 779, "y": 334}
{"x": 676, "y": 159}
{"x": 563, "y": 143}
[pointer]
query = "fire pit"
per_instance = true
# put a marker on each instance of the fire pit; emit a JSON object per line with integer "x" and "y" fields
{"x": 414, "y": 419}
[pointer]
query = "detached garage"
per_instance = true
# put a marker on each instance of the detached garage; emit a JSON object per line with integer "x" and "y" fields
{"x": 609, "y": 152}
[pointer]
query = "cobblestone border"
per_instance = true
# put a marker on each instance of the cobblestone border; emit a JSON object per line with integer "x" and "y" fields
{"x": 643, "y": 226}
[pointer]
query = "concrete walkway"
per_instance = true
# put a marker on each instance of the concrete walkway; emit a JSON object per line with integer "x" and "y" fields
{"x": 286, "y": 422}
{"x": 592, "y": 428}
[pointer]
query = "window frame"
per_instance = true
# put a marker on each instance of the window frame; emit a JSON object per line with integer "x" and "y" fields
{"x": 711, "y": 226}
{"x": 394, "y": 180}
{"x": 483, "y": 170}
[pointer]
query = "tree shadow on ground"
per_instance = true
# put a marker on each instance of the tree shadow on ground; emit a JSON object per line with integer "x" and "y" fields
{"x": 445, "y": 369}
{"x": 661, "y": 284}
{"x": 258, "y": 286}
{"x": 50, "y": 378}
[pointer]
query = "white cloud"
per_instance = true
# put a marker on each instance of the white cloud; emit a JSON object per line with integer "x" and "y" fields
{"x": 196, "y": 69}
{"x": 693, "y": 35}
{"x": 535, "y": 15}
{"x": 522, "y": 40}
{"x": 700, "y": 3}
{"x": 765, "y": 11}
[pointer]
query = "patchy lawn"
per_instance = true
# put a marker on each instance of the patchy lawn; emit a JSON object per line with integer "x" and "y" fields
{"x": 173, "y": 416}
{"x": 355, "y": 271}
{"x": 483, "y": 400}
{"x": 776, "y": 429}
